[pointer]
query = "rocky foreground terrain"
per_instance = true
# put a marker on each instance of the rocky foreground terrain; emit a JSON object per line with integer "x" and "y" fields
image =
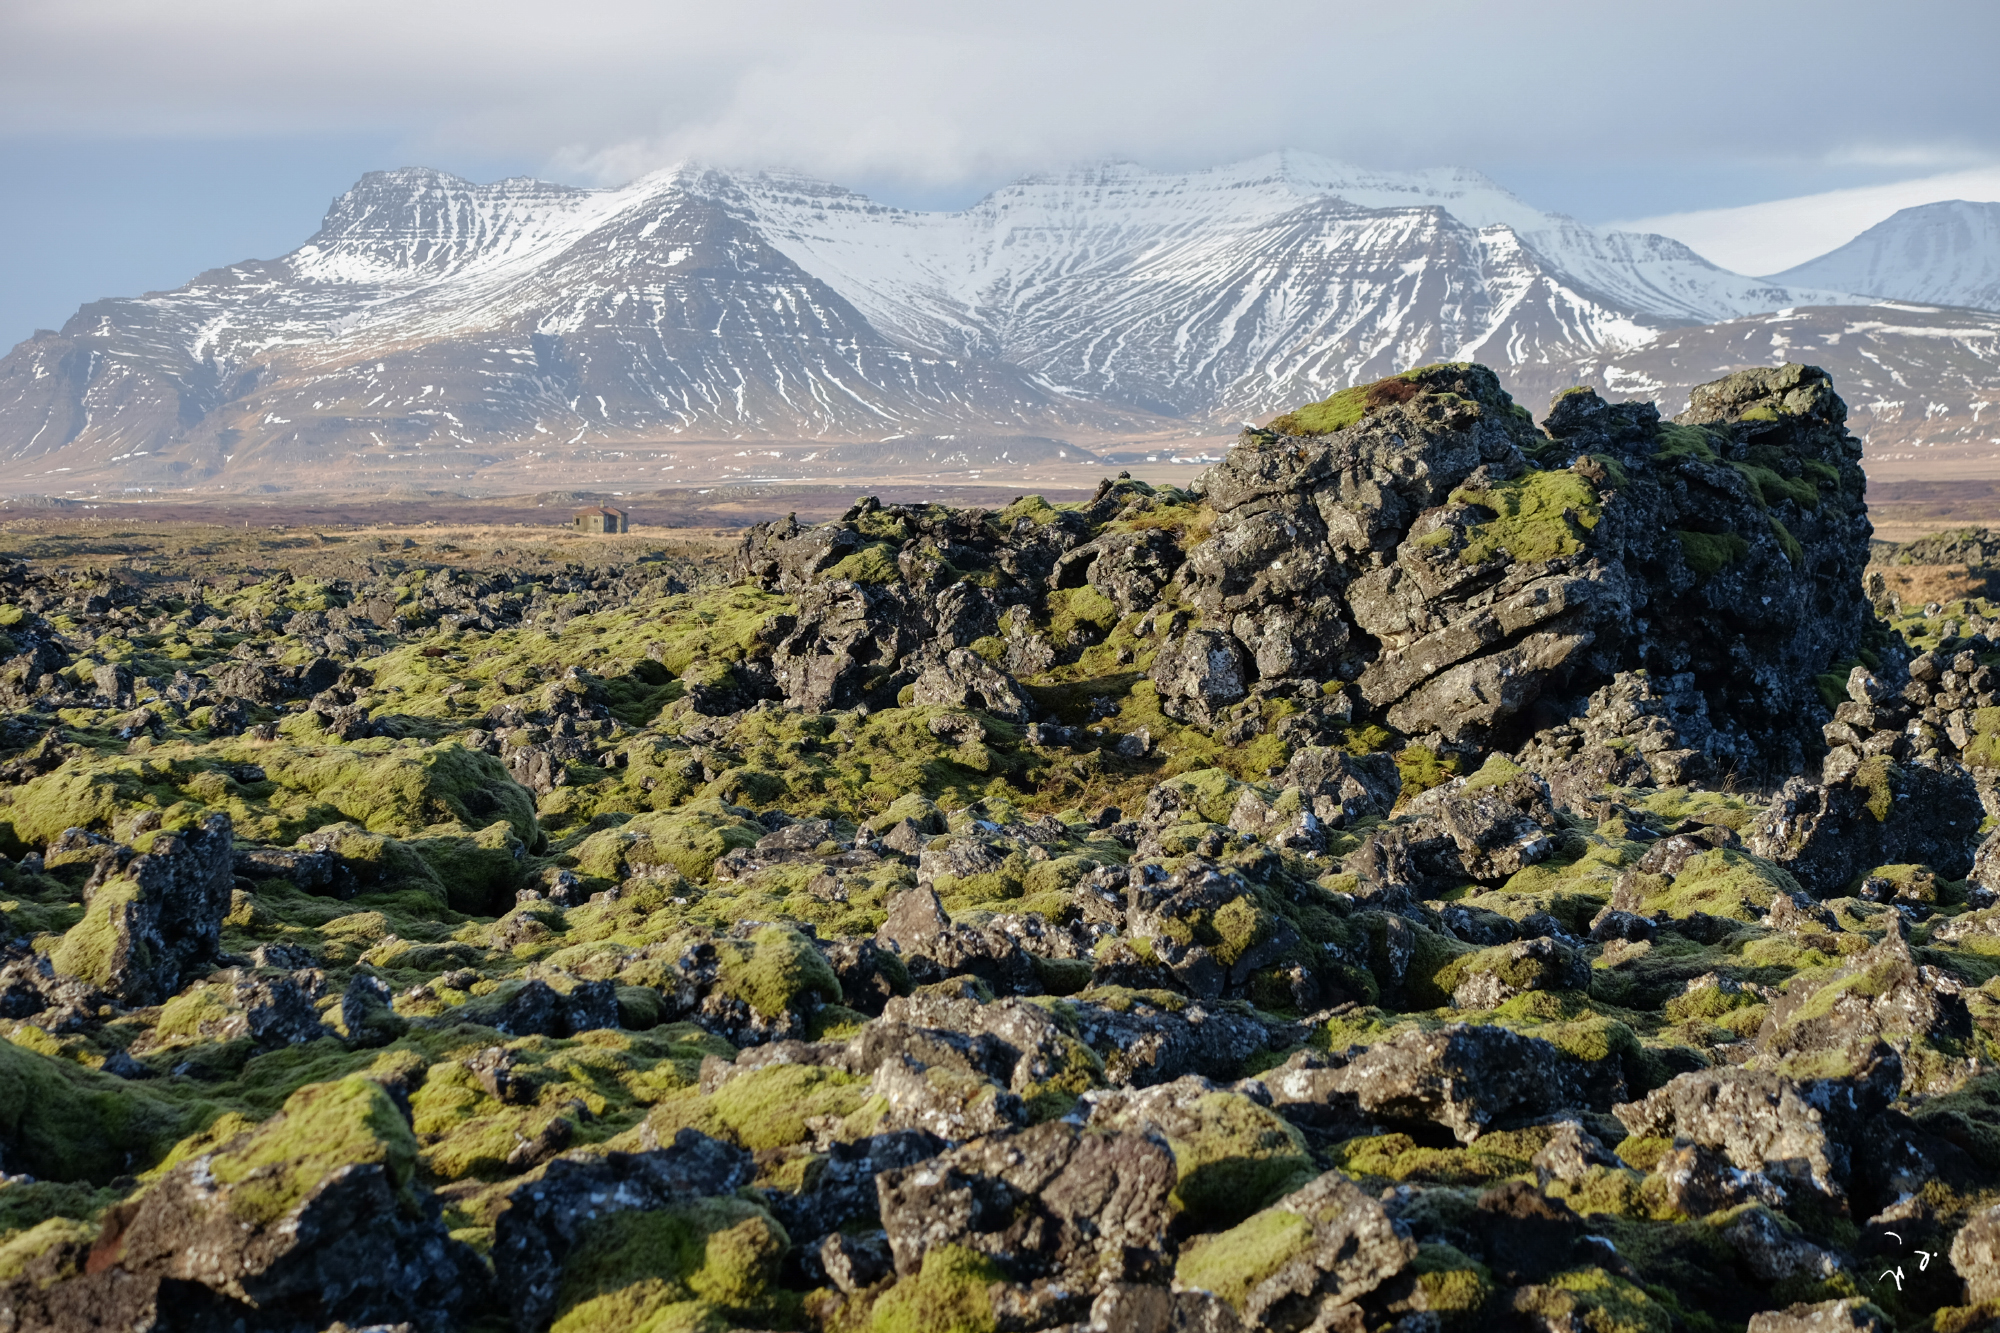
{"x": 1438, "y": 873}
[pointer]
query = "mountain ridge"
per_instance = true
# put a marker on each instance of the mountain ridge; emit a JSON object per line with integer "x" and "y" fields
{"x": 437, "y": 329}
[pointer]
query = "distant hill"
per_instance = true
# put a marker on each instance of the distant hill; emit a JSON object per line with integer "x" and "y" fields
{"x": 1939, "y": 254}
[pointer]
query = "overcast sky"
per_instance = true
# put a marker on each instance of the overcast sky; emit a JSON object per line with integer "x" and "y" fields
{"x": 142, "y": 142}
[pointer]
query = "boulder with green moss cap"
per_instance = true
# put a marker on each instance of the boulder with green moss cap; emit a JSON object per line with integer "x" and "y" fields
{"x": 153, "y": 924}
{"x": 314, "y": 1214}
{"x": 547, "y": 1218}
{"x": 1305, "y": 1261}
{"x": 1868, "y": 811}
{"x": 1883, "y": 994}
{"x": 1232, "y": 1155}
{"x": 1800, "y": 1129}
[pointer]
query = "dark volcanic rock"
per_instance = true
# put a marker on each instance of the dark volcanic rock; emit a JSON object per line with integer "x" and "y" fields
{"x": 313, "y": 1215}
{"x": 1334, "y": 1245}
{"x": 1052, "y": 1202}
{"x": 1467, "y": 1079}
{"x": 1869, "y": 811}
{"x": 151, "y": 926}
{"x": 544, "y": 1218}
{"x": 991, "y": 918}
{"x": 1800, "y": 1130}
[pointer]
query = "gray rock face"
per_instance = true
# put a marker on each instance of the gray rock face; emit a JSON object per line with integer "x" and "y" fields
{"x": 1359, "y": 528}
{"x": 1476, "y": 580}
{"x": 1467, "y": 1079}
{"x": 1052, "y": 1202}
{"x": 1852, "y": 1315}
{"x": 1869, "y": 811}
{"x": 1975, "y": 1254}
{"x": 543, "y": 1219}
{"x": 1347, "y": 1248}
{"x": 1200, "y": 675}
{"x": 1526, "y": 965}
{"x": 933, "y": 947}
{"x": 1801, "y": 1131}
{"x": 345, "y": 1241}
{"x": 963, "y": 680}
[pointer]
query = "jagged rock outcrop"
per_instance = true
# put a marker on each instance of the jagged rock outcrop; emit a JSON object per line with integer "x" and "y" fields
{"x": 1477, "y": 580}
{"x": 312, "y": 1215}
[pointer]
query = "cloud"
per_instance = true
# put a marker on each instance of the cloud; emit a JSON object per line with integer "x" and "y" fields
{"x": 896, "y": 89}
{"x": 1771, "y": 237}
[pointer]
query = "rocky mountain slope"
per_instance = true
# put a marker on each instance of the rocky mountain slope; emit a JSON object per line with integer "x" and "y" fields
{"x": 444, "y": 332}
{"x": 1940, "y": 254}
{"x": 1440, "y": 873}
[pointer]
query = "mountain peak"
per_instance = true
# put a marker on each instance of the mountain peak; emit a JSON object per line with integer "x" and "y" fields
{"x": 1946, "y": 253}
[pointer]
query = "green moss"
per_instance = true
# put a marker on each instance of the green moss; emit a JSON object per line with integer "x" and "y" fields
{"x": 322, "y": 1128}
{"x": 481, "y": 871}
{"x": 1348, "y": 406}
{"x": 1497, "y": 771}
{"x": 1643, "y": 1154}
{"x": 1771, "y": 488}
{"x": 1422, "y": 769}
{"x": 1790, "y": 544}
{"x": 94, "y": 949}
{"x": 689, "y": 839}
{"x": 1594, "y": 1299}
{"x": 1431, "y": 956}
{"x": 1519, "y": 972}
{"x": 873, "y": 563}
{"x": 1539, "y": 516}
{"x": 1455, "y": 1286}
{"x": 1209, "y": 794}
{"x": 1707, "y": 554}
{"x": 17, "y": 1252}
{"x": 702, "y": 1264}
{"x": 951, "y": 1293}
{"x": 1085, "y": 606}
{"x": 1677, "y": 442}
{"x": 1496, "y": 1156}
{"x": 1873, "y": 777}
{"x": 769, "y": 1107}
{"x": 1722, "y": 882}
{"x": 1607, "y": 1190}
{"x": 1330, "y": 414}
{"x": 776, "y": 971}
{"x": 62, "y": 1122}
{"x": 1709, "y": 1003}
{"x": 1233, "y": 1157}
{"x": 1231, "y": 1263}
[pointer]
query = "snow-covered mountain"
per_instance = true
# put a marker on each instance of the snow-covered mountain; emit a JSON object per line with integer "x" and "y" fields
{"x": 1941, "y": 254}
{"x": 438, "y": 329}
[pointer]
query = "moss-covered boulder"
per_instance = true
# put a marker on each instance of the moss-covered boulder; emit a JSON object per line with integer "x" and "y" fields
{"x": 707, "y": 1263}
{"x": 1328, "y": 1240}
{"x": 1231, "y": 1156}
{"x": 60, "y": 1121}
{"x": 315, "y": 1210}
{"x": 157, "y": 921}
{"x": 769, "y": 985}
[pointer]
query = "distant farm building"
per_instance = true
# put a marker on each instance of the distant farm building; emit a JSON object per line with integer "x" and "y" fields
{"x": 602, "y": 520}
